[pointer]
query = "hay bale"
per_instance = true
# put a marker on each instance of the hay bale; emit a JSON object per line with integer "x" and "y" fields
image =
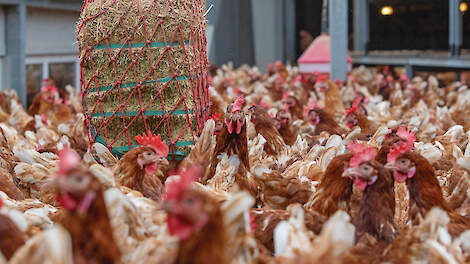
{"x": 143, "y": 67}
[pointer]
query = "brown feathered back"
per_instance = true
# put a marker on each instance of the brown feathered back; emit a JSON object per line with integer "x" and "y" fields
{"x": 11, "y": 237}
{"x": 264, "y": 125}
{"x": 327, "y": 123}
{"x": 333, "y": 188}
{"x": 8, "y": 186}
{"x": 424, "y": 187}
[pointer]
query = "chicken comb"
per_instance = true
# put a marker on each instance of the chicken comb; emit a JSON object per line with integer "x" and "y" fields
{"x": 405, "y": 134}
{"x": 1, "y": 202}
{"x": 286, "y": 94}
{"x": 174, "y": 189}
{"x": 361, "y": 153}
{"x": 403, "y": 77}
{"x": 215, "y": 116}
{"x": 322, "y": 78}
{"x": 238, "y": 104}
{"x": 389, "y": 78}
{"x": 354, "y": 106}
{"x": 397, "y": 150}
{"x": 49, "y": 88}
{"x": 156, "y": 142}
{"x": 68, "y": 160}
{"x": 379, "y": 78}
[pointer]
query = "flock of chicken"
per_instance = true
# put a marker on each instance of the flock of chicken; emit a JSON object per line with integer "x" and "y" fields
{"x": 289, "y": 169}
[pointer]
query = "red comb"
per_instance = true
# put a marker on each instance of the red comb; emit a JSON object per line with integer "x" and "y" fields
{"x": 405, "y": 134}
{"x": 68, "y": 160}
{"x": 215, "y": 116}
{"x": 362, "y": 153}
{"x": 237, "y": 106}
{"x": 403, "y": 77}
{"x": 49, "y": 88}
{"x": 174, "y": 189}
{"x": 389, "y": 78}
{"x": 322, "y": 77}
{"x": 379, "y": 78}
{"x": 287, "y": 94}
{"x": 153, "y": 141}
{"x": 1, "y": 202}
{"x": 397, "y": 150}
{"x": 354, "y": 106}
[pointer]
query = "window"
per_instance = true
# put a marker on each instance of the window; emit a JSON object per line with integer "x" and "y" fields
{"x": 33, "y": 81}
{"x": 63, "y": 69}
{"x": 62, "y": 73}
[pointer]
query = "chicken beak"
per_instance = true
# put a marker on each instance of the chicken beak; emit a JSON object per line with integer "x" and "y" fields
{"x": 351, "y": 173}
{"x": 141, "y": 163}
{"x": 166, "y": 207}
{"x": 390, "y": 166}
{"x": 163, "y": 161}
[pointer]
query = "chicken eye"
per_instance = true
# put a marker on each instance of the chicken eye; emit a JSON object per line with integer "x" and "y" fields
{"x": 77, "y": 179}
{"x": 188, "y": 201}
{"x": 403, "y": 162}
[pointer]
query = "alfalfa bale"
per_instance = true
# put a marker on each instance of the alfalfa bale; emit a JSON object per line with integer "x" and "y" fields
{"x": 143, "y": 67}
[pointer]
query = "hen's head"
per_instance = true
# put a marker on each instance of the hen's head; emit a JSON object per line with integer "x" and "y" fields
{"x": 283, "y": 117}
{"x": 49, "y": 91}
{"x": 362, "y": 169}
{"x": 322, "y": 82}
{"x": 313, "y": 116}
{"x": 153, "y": 151}
{"x": 288, "y": 99}
{"x": 235, "y": 117}
{"x": 400, "y": 163}
{"x": 356, "y": 109}
{"x": 73, "y": 183}
{"x": 394, "y": 136}
{"x": 185, "y": 206}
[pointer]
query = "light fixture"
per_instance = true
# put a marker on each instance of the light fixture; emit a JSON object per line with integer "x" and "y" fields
{"x": 463, "y": 7}
{"x": 386, "y": 11}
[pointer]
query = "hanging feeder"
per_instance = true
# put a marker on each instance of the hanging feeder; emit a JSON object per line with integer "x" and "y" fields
{"x": 143, "y": 67}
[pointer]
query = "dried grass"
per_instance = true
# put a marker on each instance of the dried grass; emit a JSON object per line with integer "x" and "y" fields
{"x": 110, "y": 23}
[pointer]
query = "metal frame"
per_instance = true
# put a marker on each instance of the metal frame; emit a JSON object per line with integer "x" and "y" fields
{"x": 361, "y": 25}
{"x": 72, "y": 5}
{"x": 48, "y": 59}
{"x": 455, "y": 61}
{"x": 338, "y": 28}
{"x": 455, "y": 27}
{"x": 14, "y": 70}
{"x": 14, "y": 61}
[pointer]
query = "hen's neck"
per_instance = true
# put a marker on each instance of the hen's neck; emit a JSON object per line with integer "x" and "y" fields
{"x": 424, "y": 187}
{"x": 131, "y": 173}
{"x": 92, "y": 232}
{"x": 209, "y": 245}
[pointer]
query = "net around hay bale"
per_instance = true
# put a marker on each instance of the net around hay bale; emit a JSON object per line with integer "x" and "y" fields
{"x": 144, "y": 68}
